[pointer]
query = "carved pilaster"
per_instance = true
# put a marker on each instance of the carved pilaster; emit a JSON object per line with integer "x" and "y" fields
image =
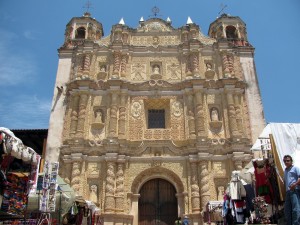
{"x": 117, "y": 64}
{"x": 86, "y": 64}
{"x": 238, "y": 111}
{"x": 120, "y": 185}
{"x": 74, "y": 114}
{"x": 109, "y": 203}
{"x": 231, "y": 115}
{"x": 82, "y": 112}
{"x": 122, "y": 115}
{"x": 200, "y": 126}
{"x": 191, "y": 115}
{"x": 194, "y": 57}
{"x": 195, "y": 196}
{"x": 124, "y": 59}
{"x": 113, "y": 115}
{"x": 204, "y": 184}
{"x": 75, "y": 182}
{"x": 228, "y": 68}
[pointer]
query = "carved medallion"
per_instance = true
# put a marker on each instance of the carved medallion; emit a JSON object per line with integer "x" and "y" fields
{"x": 136, "y": 109}
{"x": 177, "y": 108}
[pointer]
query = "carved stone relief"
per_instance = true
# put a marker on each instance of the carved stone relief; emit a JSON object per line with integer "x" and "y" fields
{"x": 173, "y": 71}
{"x": 136, "y": 109}
{"x": 138, "y": 71}
{"x": 177, "y": 108}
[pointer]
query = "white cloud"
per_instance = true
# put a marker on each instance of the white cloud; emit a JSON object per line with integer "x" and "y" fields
{"x": 15, "y": 68}
{"x": 25, "y": 112}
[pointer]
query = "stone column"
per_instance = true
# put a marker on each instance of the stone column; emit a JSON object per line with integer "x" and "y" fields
{"x": 122, "y": 116}
{"x": 204, "y": 184}
{"x": 124, "y": 59}
{"x": 239, "y": 115}
{"x": 82, "y": 112}
{"x": 86, "y": 64}
{"x": 113, "y": 114}
{"x": 120, "y": 184}
{"x": 75, "y": 175}
{"x": 195, "y": 197}
{"x": 200, "y": 125}
{"x": 195, "y": 63}
{"x": 191, "y": 115}
{"x": 228, "y": 68}
{"x": 109, "y": 201}
{"x": 74, "y": 114}
{"x": 117, "y": 64}
{"x": 231, "y": 114}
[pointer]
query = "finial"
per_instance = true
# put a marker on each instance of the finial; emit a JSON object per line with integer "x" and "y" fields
{"x": 169, "y": 20}
{"x": 122, "y": 21}
{"x": 189, "y": 21}
{"x": 142, "y": 19}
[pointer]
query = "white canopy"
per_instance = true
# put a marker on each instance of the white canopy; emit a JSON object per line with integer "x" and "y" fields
{"x": 286, "y": 137}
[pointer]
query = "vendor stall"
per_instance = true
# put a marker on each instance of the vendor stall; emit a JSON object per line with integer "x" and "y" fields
{"x": 19, "y": 167}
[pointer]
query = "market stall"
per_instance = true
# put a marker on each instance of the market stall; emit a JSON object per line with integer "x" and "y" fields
{"x": 19, "y": 167}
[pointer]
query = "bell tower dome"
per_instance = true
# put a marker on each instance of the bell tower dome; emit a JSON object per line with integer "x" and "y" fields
{"x": 82, "y": 28}
{"x": 229, "y": 28}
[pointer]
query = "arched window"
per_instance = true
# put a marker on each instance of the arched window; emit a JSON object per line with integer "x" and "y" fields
{"x": 80, "y": 33}
{"x": 231, "y": 32}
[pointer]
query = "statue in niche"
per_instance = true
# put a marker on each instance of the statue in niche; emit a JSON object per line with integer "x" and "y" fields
{"x": 156, "y": 69}
{"x": 214, "y": 114}
{"x": 98, "y": 116}
{"x": 93, "y": 193}
{"x": 208, "y": 66}
{"x": 103, "y": 68}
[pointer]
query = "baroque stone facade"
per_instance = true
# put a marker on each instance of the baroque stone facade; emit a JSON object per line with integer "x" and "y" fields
{"x": 153, "y": 102}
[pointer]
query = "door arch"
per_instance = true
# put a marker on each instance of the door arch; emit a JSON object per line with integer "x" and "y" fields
{"x": 157, "y": 203}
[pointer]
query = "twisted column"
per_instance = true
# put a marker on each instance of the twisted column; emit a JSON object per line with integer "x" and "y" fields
{"x": 195, "y": 196}
{"x": 86, "y": 64}
{"x": 204, "y": 183}
{"x": 123, "y": 64}
{"x": 113, "y": 115}
{"x": 120, "y": 185}
{"x": 117, "y": 64}
{"x": 75, "y": 182}
{"x": 239, "y": 116}
{"x": 195, "y": 63}
{"x": 200, "y": 126}
{"x": 82, "y": 112}
{"x": 191, "y": 116}
{"x": 122, "y": 115}
{"x": 109, "y": 203}
{"x": 74, "y": 114}
{"x": 227, "y": 65}
{"x": 231, "y": 114}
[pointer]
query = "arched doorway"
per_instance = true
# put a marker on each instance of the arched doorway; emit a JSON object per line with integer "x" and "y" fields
{"x": 157, "y": 203}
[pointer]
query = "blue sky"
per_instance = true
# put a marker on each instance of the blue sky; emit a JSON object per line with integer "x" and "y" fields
{"x": 31, "y": 31}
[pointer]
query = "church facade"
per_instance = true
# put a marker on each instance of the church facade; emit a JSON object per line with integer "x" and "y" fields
{"x": 149, "y": 122}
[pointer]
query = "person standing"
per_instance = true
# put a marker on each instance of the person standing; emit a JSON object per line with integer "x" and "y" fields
{"x": 292, "y": 187}
{"x": 185, "y": 221}
{"x": 178, "y": 221}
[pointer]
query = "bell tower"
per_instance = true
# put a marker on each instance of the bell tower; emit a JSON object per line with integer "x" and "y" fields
{"x": 229, "y": 28}
{"x": 81, "y": 29}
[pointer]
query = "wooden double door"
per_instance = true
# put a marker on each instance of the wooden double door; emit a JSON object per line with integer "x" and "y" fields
{"x": 157, "y": 203}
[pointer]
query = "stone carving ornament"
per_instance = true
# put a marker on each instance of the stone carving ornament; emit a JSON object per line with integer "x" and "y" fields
{"x": 177, "y": 108}
{"x": 136, "y": 109}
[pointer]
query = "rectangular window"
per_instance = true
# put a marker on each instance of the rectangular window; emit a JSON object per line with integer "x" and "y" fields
{"x": 156, "y": 119}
